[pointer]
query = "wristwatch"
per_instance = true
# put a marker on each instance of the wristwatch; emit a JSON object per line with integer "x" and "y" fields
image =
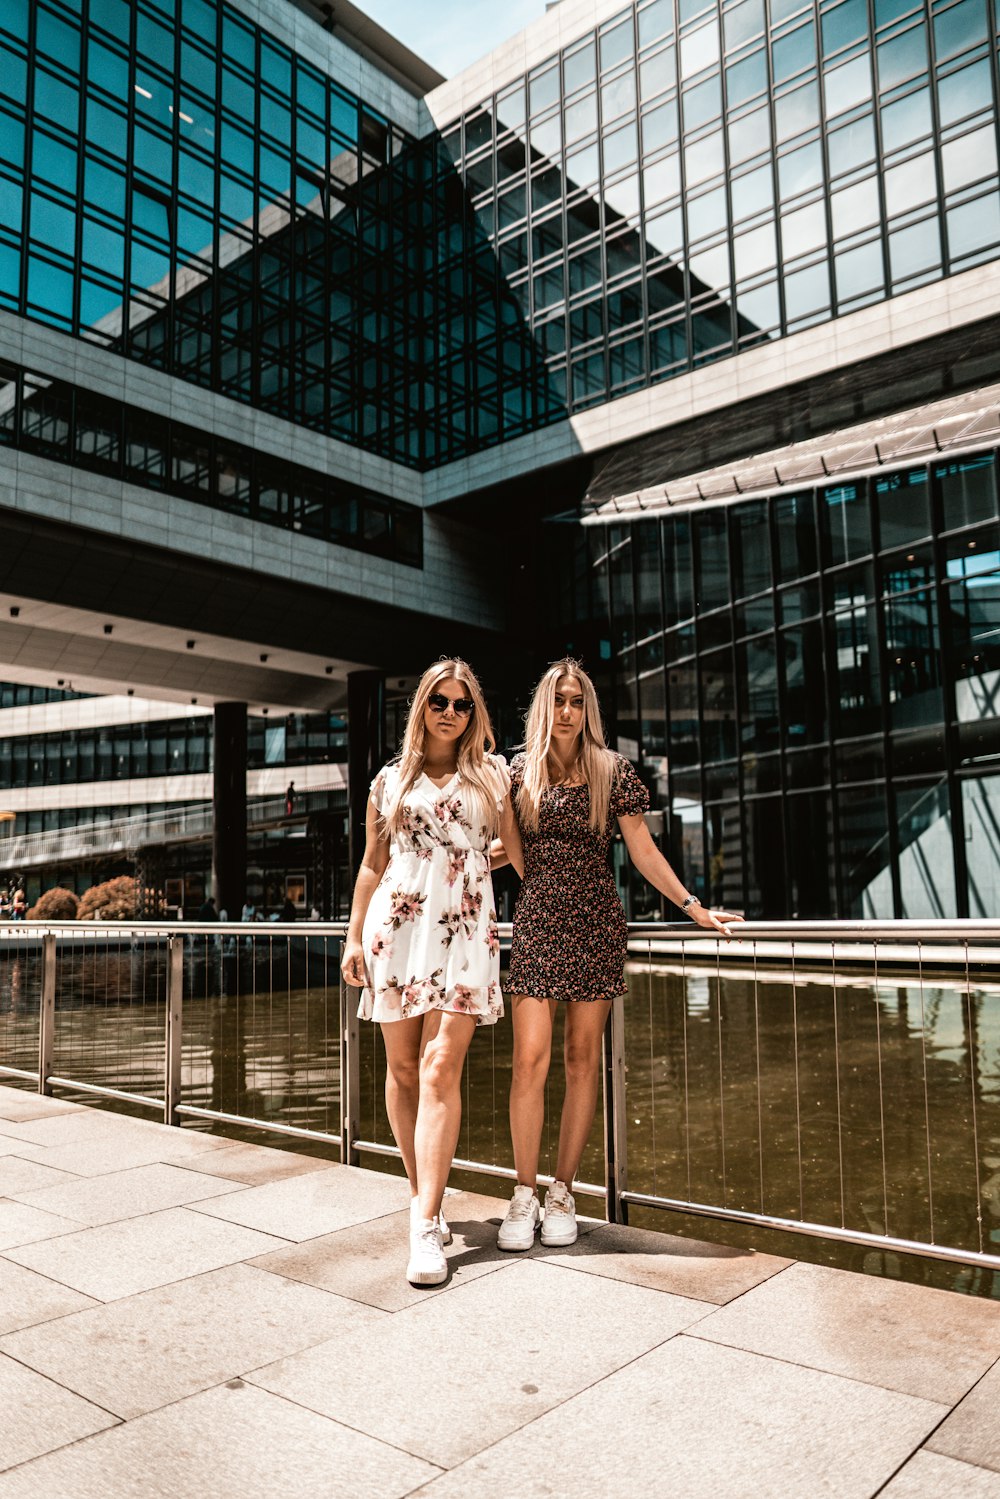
{"x": 692, "y": 900}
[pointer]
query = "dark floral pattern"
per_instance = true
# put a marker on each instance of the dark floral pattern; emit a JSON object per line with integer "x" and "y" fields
{"x": 569, "y": 927}
{"x": 432, "y": 916}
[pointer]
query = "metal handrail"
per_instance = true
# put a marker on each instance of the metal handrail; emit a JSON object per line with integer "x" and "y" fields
{"x": 756, "y": 937}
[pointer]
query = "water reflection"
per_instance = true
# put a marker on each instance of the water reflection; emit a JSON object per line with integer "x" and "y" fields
{"x": 832, "y": 1098}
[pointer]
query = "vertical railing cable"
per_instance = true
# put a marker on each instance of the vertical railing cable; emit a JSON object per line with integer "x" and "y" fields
{"x": 47, "y": 1014}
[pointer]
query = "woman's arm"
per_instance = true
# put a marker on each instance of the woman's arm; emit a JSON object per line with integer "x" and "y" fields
{"x": 373, "y": 867}
{"x": 499, "y": 857}
{"x": 509, "y": 841}
{"x": 653, "y": 867}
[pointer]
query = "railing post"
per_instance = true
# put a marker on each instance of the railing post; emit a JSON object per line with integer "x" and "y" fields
{"x": 350, "y": 1076}
{"x": 615, "y": 1144}
{"x": 174, "y": 1028}
{"x": 47, "y": 1013}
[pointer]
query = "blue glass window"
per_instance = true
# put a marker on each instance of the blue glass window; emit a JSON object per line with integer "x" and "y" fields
{"x": 965, "y": 92}
{"x": 844, "y": 24}
{"x": 743, "y": 22}
{"x": 702, "y": 103}
{"x": 914, "y": 250}
{"x": 974, "y": 226}
{"x": 746, "y": 78}
{"x": 796, "y": 112}
{"x": 959, "y": 27}
{"x": 851, "y": 146}
{"x": 907, "y": 120}
{"x": 794, "y": 52}
{"x": 580, "y": 67}
{"x": 859, "y": 272}
{"x": 655, "y": 21}
{"x": 902, "y": 57}
{"x": 617, "y": 44}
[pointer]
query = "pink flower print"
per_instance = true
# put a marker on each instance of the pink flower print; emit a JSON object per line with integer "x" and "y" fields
{"x": 456, "y": 866}
{"x": 451, "y": 921}
{"x": 492, "y": 935}
{"x": 472, "y": 904}
{"x": 380, "y": 945}
{"x": 464, "y": 999}
{"x": 448, "y": 809}
{"x": 405, "y": 906}
{"x": 420, "y": 994}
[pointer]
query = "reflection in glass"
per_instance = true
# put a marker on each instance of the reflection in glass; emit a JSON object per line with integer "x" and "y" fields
{"x": 973, "y": 226}
{"x": 866, "y": 875}
{"x": 965, "y": 92}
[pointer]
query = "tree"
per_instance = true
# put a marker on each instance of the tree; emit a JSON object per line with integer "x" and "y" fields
{"x": 57, "y": 904}
{"x": 115, "y": 900}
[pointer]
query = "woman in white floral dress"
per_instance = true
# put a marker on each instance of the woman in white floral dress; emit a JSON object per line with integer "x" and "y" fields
{"x": 422, "y": 943}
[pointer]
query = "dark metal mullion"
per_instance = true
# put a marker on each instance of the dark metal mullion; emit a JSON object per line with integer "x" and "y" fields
{"x": 952, "y": 753}
{"x": 888, "y": 749}
{"x": 828, "y": 633}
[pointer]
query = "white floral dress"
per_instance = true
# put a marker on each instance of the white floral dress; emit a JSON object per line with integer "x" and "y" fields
{"x": 430, "y": 935}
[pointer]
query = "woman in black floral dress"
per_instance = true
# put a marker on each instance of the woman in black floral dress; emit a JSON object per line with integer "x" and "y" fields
{"x": 570, "y": 931}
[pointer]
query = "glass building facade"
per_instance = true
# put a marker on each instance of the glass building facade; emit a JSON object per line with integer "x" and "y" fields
{"x": 811, "y": 681}
{"x": 677, "y": 184}
{"x": 807, "y": 679}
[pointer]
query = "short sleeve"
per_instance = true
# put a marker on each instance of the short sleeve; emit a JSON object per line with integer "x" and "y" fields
{"x": 380, "y": 789}
{"x": 628, "y": 794}
{"x": 502, "y": 773}
{"x": 516, "y": 771}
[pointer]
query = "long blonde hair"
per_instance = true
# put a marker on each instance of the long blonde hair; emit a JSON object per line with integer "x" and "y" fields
{"x": 483, "y": 787}
{"x": 598, "y": 764}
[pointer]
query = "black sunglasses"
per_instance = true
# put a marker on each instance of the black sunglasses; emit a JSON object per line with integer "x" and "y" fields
{"x": 438, "y": 703}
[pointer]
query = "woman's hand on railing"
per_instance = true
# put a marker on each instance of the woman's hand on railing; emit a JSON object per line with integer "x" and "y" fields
{"x": 352, "y": 964}
{"x": 714, "y": 920}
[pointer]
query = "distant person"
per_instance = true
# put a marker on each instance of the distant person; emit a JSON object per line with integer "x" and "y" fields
{"x": 314, "y": 913}
{"x": 4, "y": 905}
{"x": 289, "y": 798}
{"x": 19, "y": 905}
{"x": 248, "y": 912}
{"x": 207, "y": 911}
{"x": 288, "y": 912}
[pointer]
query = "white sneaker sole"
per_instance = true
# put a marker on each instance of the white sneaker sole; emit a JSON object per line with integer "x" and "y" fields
{"x": 426, "y": 1277}
{"x": 560, "y": 1240}
{"x": 521, "y": 1246}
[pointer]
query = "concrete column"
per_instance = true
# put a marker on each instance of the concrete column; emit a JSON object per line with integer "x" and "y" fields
{"x": 365, "y": 751}
{"x": 229, "y": 808}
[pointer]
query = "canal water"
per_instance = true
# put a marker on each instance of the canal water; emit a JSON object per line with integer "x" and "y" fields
{"x": 796, "y": 1094}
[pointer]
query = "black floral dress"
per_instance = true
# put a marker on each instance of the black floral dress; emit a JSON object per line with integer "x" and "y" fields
{"x": 569, "y": 927}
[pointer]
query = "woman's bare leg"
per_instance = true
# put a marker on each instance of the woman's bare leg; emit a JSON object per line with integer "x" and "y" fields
{"x": 585, "y": 1022}
{"x": 532, "y": 1020}
{"x": 444, "y": 1043}
{"x": 402, "y": 1039}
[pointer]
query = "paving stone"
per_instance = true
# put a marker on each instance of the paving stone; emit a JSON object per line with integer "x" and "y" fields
{"x": 9, "y": 1145}
{"x": 929, "y": 1476}
{"x": 121, "y": 1259}
{"x": 707, "y": 1422}
{"x": 924, "y": 1342}
{"x": 498, "y": 1357}
{"x": 20, "y": 1224}
{"x": 124, "y": 1194}
{"x": 39, "y": 1416}
{"x": 972, "y": 1431}
{"x": 233, "y": 1443}
{"x": 103, "y": 1152}
{"x": 254, "y": 1164}
{"x": 303, "y": 1207}
{"x": 70, "y": 1129}
{"x": 27, "y": 1299}
{"x": 367, "y": 1262}
{"x": 18, "y": 1176}
{"x": 21, "y": 1108}
{"x": 204, "y": 1330}
{"x": 664, "y": 1262}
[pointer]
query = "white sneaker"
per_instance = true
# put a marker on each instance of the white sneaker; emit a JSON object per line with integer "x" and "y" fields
{"x": 559, "y": 1227}
{"x": 518, "y": 1229}
{"x": 442, "y": 1224}
{"x": 427, "y": 1265}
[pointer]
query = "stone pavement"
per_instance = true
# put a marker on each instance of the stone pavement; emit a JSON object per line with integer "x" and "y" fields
{"x": 181, "y": 1315}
